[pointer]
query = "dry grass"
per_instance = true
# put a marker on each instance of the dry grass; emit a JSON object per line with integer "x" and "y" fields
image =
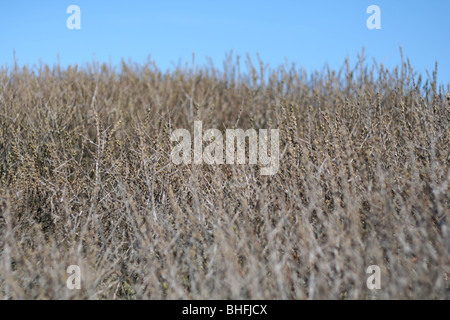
{"x": 86, "y": 178}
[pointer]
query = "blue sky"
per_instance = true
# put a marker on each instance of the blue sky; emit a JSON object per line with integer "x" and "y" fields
{"x": 309, "y": 33}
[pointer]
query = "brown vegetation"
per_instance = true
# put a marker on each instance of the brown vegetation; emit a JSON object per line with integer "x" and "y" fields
{"x": 86, "y": 179}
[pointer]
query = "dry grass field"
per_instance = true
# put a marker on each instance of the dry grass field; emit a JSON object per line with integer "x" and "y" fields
{"x": 86, "y": 179}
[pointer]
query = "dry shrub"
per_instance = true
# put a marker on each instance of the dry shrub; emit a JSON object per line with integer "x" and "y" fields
{"x": 86, "y": 178}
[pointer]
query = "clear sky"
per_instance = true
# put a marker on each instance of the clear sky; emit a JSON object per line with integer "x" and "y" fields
{"x": 309, "y": 33}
